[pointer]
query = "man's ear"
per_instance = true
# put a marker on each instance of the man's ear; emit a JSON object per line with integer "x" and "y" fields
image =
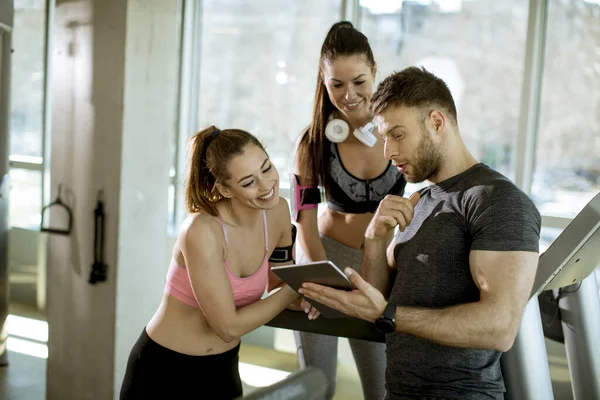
{"x": 437, "y": 120}
{"x": 223, "y": 190}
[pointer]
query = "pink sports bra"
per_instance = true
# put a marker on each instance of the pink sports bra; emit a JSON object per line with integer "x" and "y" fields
{"x": 246, "y": 290}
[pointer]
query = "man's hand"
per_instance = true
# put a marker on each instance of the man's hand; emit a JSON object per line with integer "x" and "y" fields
{"x": 365, "y": 302}
{"x": 392, "y": 211}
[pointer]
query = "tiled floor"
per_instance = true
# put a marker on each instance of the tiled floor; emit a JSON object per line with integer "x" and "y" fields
{"x": 24, "y": 378}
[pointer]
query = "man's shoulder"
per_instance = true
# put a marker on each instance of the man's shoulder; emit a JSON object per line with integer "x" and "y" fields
{"x": 483, "y": 189}
{"x": 498, "y": 198}
{"x": 486, "y": 176}
{"x": 488, "y": 184}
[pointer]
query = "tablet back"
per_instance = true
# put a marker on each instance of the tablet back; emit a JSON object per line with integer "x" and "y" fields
{"x": 322, "y": 272}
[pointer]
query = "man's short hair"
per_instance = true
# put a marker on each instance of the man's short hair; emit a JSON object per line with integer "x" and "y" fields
{"x": 413, "y": 87}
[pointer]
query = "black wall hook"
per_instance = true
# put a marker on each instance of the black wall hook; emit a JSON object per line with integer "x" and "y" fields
{"x": 58, "y": 203}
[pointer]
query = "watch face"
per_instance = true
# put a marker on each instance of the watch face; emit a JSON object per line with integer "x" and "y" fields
{"x": 385, "y": 325}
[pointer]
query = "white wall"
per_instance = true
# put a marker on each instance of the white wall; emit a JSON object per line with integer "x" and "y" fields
{"x": 148, "y": 139}
{"x": 86, "y": 150}
{"x": 114, "y": 72}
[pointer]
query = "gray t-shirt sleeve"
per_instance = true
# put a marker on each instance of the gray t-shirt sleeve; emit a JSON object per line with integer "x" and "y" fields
{"x": 503, "y": 218}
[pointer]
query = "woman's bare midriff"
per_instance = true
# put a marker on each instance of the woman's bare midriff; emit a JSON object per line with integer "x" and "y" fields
{"x": 348, "y": 229}
{"x": 184, "y": 329}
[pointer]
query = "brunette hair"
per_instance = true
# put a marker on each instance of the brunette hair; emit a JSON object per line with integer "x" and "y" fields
{"x": 414, "y": 87}
{"x": 313, "y": 152}
{"x": 210, "y": 151}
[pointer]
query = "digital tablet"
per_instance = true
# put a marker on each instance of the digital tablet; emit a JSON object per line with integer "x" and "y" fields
{"x": 322, "y": 272}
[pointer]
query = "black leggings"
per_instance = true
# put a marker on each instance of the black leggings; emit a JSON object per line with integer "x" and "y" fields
{"x": 155, "y": 372}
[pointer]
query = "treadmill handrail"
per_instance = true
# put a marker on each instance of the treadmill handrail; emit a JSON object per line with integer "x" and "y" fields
{"x": 352, "y": 328}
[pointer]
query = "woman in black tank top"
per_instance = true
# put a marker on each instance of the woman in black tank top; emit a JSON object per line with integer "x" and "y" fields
{"x": 355, "y": 175}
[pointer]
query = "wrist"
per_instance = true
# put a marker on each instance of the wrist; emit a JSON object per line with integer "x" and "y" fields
{"x": 374, "y": 245}
{"x": 295, "y": 305}
{"x": 381, "y": 307}
{"x": 370, "y": 235}
{"x": 386, "y": 323}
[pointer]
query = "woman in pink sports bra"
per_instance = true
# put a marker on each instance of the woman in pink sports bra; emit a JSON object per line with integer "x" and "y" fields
{"x": 218, "y": 274}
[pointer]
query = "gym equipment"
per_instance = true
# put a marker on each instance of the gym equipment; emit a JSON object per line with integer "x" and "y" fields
{"x": 58, "y": 203}
{"x": 306, "y": 384}
{"x": 99, "y": 268}
{"x": 566, "y": 268}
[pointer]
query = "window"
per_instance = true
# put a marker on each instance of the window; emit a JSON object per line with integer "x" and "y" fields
{"x": 258, "y": 68}
{"x": 567, "y": 168}
{"x": 27, "y": 89}
{"x": 482, "y": 62}
{"x": 547, "y": 236}
{"x": 25, "y": 198}
{"x": 26, "y": 120}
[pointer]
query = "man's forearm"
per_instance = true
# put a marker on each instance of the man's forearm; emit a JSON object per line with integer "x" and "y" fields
{"x": 374, "y": 267}
{"x": 472, "y": 325}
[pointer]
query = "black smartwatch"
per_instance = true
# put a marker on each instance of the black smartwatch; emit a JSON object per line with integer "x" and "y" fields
{"x": 387, "y": 322}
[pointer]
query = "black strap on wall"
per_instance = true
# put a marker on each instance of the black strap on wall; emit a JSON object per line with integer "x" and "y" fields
{"x": 98, "y": 268}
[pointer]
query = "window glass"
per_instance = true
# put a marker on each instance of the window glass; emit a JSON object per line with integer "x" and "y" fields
{"x": 482, "y": 62}
{"x": 567, "y": 168}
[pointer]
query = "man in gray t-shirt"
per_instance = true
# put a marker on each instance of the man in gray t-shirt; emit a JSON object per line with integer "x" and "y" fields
{"x": 476, "y": 210}
{"x": 459, "y": 272}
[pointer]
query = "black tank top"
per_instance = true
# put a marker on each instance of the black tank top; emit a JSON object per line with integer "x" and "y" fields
{"x": 349, "y": 194}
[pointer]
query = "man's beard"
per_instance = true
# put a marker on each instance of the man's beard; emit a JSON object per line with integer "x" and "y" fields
{"x": 427, "y": 161}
